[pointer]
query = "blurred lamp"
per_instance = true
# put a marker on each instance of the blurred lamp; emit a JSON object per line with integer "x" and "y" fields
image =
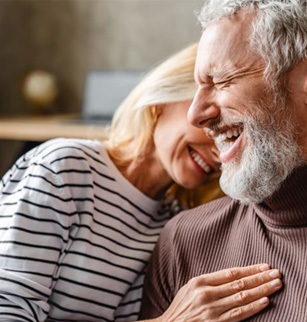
{"x": 40, "y": 90}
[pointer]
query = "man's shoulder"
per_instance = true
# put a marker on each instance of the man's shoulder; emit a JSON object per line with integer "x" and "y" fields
{"x": 214, "y": 207}
{"x": 202, "y": 225}
{"x": 211, "y": 213}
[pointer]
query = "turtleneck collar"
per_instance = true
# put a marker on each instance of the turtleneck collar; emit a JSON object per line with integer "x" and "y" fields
{"x": 288, "y": 206}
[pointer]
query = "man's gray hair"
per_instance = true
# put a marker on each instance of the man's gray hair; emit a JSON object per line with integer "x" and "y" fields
{"x": 279, "y": 31}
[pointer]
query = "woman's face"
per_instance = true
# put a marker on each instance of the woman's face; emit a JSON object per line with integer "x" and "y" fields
{"x": 185, "y": 152}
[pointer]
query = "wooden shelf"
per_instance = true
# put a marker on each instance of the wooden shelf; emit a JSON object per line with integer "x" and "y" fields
{"x": 42, "y": 128}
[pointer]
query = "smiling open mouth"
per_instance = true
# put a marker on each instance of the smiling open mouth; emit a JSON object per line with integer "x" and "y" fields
{"x": 225, "y": 140}
{"x": 200, "y": 162}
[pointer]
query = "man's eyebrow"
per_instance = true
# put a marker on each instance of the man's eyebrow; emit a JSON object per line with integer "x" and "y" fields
{"x": 221, "y": 75}
{"x": 209, "y": 74}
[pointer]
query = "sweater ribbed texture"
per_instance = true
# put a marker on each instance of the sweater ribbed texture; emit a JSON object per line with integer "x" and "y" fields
{"x": 224, "y": 234}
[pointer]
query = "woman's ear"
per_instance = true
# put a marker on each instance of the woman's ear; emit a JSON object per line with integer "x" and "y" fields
{"x": 156, "y": 111}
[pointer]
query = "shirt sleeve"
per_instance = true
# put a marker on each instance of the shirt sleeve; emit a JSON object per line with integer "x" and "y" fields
{"x": 37, "y": 221}
{"x": 159, "y": 280}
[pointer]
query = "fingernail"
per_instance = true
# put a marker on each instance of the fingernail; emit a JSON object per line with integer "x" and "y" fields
{"x": 264, "y": 300}
{"x": 276, "y": 283}
{"x": 274, "y": 273}
{"x": 264, "y": 267}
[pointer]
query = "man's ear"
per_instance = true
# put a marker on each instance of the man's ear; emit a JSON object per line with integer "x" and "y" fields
{"x": 304, "y": 75}
{"x": 297, "y": 84}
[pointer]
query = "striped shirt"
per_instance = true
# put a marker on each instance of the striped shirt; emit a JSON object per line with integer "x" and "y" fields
{"x": 75, "y": 236}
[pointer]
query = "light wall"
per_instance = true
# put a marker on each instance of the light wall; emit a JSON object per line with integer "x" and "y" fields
{"x": 69, "y": 37}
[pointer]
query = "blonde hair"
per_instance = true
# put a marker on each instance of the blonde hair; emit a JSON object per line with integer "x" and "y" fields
{"x": 130, "y": 133}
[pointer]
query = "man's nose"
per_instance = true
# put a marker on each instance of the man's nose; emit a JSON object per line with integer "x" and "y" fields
{"x": 202, "y": 109}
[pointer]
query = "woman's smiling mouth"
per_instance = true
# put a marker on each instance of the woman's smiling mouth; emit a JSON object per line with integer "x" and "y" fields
{"x": 200, "y": 162}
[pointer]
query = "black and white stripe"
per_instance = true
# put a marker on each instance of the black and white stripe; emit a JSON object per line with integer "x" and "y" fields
{"x": 75, "y": 236}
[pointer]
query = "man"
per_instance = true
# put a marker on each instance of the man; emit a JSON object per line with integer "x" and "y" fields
{"x": 251, "y": 72}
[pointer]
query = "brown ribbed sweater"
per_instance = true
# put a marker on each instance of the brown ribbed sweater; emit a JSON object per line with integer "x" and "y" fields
{"x": 223, "y": 234}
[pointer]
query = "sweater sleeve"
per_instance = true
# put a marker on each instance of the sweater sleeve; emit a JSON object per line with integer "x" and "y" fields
{"x": 159, "y": 280}
{"x": 37, "y": 219}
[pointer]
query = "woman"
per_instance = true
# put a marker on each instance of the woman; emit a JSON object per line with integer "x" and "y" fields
{"x": 79, "y": 218}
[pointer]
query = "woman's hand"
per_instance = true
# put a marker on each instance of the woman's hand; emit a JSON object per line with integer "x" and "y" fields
{"x": 228, "y": 295}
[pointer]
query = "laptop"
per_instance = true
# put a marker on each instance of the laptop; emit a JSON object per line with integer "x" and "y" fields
{"x": 104, "y": 91}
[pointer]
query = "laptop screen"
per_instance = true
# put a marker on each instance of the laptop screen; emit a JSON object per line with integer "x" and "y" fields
{"x": 105, "y": 90}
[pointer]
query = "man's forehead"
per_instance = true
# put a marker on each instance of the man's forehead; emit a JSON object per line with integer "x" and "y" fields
{"x": 236, "y": 28}
{"x": 226, "y": 43}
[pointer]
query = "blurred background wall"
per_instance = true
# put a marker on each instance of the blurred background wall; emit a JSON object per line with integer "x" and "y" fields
{"x": 69, "y": 37}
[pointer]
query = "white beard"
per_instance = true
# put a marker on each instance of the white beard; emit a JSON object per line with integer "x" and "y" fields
{"x": 270, "y": 156}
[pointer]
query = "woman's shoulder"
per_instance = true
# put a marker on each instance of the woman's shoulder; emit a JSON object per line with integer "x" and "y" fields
{"x": 61, "y": 166}
{"x": 62, "y": 150}
{"x": 67, "y": 146}
{"x": 59, "y": 156}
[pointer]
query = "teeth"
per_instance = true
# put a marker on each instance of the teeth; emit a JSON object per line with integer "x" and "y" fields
{"x": 200, "y": 162}
{"x": 221, "y": 140}
{"x": 231, "y": 133}
{"x": 223, "y": 137}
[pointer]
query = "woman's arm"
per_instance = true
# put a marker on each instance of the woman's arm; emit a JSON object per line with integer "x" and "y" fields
{"x": 37, "y": 213}
{"x": 228, "y": 295}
